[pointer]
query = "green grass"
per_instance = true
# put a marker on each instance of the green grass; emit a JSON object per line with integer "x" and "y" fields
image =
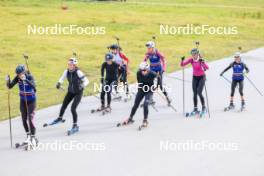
{"x": 133, "y": 23}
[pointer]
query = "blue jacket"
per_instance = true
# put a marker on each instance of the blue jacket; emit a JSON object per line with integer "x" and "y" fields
{"x": 27, "y": 88}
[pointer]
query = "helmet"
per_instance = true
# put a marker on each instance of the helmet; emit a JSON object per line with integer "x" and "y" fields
{"x": 237, "y": 54}
{"x": 114, "y": 46}
{"x": 144, "y": 66}
{"x": 73, "y": 61}
{"x": 150, "y": 44}
{"x": 108, "y": 56}
{"x": 20, "y": 69}
{"x": 194, "y": 51}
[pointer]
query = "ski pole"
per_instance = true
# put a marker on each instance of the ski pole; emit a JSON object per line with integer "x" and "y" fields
{"x": 251, "y": 82}
{"x": 226, "y": 79}
{"x": 117, "y": 41}
{"x": 26, "y": 61}
{"x": 207, "y": 100}
{"x": 183, "y": 91}
{"x": 154, "y": 39}
{"x": 26, "y": 103}
{"x": 10, "y": 121}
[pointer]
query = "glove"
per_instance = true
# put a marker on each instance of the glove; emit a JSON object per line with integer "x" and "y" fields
{"x": 201, "y": 60}
{"x": 23, "y": 77}
{"x": 182, "y": 58}
{"x": 7, "y": 78}
{"x": 102, "y": 80}
{"x": 247, "y": 71}
{"x": 58, "y": 85}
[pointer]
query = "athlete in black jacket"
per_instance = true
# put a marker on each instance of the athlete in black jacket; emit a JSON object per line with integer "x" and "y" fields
{"x": 77, "y": 82}
{"x": 146, "y": 87}
{"x": 109, "y": 76}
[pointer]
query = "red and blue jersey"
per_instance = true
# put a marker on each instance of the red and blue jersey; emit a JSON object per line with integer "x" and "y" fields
{"x": 157, "y": 61}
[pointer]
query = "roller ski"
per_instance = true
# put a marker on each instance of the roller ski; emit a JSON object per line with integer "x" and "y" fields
{"x": 144, "y": 125}
{"x": 230, "y": 107}
{"x": 102, "y": 108}
{"x": 30, "y": 144}
{"x": 75, "y": 129}
{"x": 23, "y": 144}
{"x": 193, "y": 113}
{"x": 125, "y": 123}
{"x": 55, "y": 122}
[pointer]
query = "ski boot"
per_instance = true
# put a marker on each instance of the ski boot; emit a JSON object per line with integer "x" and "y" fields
{"x": 75, "y": 129}
{"x": 33, "y": 143}
{"x": 203, "y": 112}
{"x": 243, "y": 105}
{"x": 230, "y": 107}
{"x": 144, "y": 125}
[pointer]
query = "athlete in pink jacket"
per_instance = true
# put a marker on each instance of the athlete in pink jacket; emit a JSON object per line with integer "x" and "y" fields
{"x": 199, "y": 67}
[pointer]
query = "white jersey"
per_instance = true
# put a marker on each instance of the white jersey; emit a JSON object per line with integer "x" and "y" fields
{"x": 118, "y": 59}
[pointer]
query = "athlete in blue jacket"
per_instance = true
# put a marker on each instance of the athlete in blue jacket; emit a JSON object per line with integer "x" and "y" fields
{"x": 27, "y": 93}
{"x": 238, "y": 78}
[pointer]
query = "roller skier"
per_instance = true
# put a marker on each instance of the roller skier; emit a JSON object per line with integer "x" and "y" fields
{"x": 27, "y": 93}
{"x": 109, "y": 76}
{"x": 158, "y": 65}
{"x": 237, "y": 79}
{"x": 145, "y": 79}
{"x": 121, "y": 59}
{"x": 198, "y": 82}
{"x": 77, "y": 82}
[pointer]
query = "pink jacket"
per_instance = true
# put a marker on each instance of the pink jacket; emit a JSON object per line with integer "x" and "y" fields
{"x": 199, "y": 68}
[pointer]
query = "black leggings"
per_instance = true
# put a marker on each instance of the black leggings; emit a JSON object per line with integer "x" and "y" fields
{"x": 160, "y": 83}
{"x": 140, "y": 95}
{"x": 198, "y": 86}
{"x": 234, "y": 85}
{"x": 107, "y": 88}
{"x": 122, "y": 75}
{"x": 27, "y": 109}
{"x": 76, "y": 97}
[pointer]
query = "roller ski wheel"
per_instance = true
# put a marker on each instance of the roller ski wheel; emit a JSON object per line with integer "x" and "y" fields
{"x": 144, "y": 125}
{"x": 55, "y": 122}
{"x": 125, "y": 123}
{"x": 74, "y": 130}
